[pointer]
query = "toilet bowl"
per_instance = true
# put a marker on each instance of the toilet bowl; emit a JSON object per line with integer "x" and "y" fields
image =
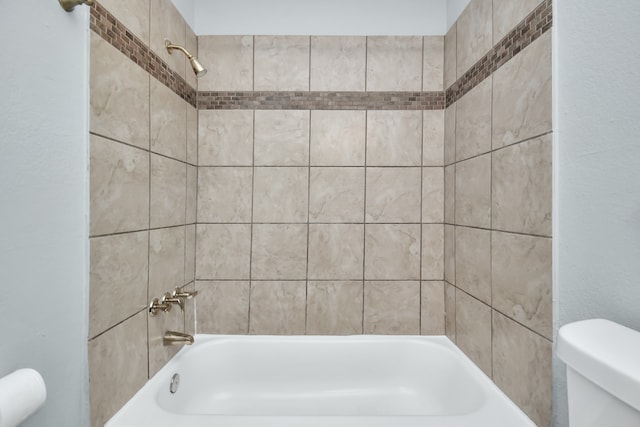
{"x": 603, "y": 373}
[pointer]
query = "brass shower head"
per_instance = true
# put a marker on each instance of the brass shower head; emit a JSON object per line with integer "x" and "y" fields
{"x": 198, "y": 69}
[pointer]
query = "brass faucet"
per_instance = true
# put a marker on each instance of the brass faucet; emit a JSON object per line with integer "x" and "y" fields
{"x": 176, "y": 338}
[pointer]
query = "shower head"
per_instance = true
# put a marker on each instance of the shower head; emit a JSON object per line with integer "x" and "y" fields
{"x": 198, "y": 69}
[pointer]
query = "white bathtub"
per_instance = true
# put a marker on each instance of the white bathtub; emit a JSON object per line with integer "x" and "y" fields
{"x": 309, "y": 381}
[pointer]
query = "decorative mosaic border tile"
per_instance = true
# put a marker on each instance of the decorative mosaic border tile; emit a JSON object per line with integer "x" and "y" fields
{"x": 526, "y": 32}
{"x": 321, "y": 100}
{"x": 115, "y": 33}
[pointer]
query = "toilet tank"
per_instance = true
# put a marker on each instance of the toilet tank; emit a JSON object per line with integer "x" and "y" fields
{"x": 603, "y": 373}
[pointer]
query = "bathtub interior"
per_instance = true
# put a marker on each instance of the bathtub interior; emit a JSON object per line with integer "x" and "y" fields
{"x": 310, "y": 376}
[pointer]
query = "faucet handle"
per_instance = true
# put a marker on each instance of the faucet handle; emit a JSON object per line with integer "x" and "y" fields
{"x": 178, "y": 293}
{"x": 173, "y": 299}
{"x": 156, "y": 305}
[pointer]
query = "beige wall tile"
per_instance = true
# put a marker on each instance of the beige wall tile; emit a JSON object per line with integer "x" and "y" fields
{"x": 190, "y": 254}
{"x": 281, "y": 63}
{"x": 393, "y": 195}
{"x": 336, "y": 251}
{"x": 449, "y": 194}
{"x": 277, "y": 308}
{"x": 473, "y": 192}
{"x": 392, "y": 252}
{"x": 433, "y": 64}
{"x": 450, "y": 57}
{"x": 508, "y": 13}
{"x": 223, "y": 307}
{"x": 192, "y": 135}
{"x": 394, "y": 138}
{"x": 281, "y": 138}
{"x": 473, "y": 330}
{"x": 392, "y": 308}
{"x": 450, "y": 134}
{"x": 119, "y": 267}
{"x": 191, "y": 43}
{"x": 281, "y": 194}
{"x": 119, "y": 187}
{"x": 522, "y": 281}
{"x": 224, "y": 194}
{"x": 473, "y": 262}
{"x": 168, "y": 122}
{"x": 223, "y": 251}
{"x": 168, "y": 192}
{"x": 522, "y": 94}
{"x": 119, "y": 95}
{"x": 192, "y": 193}
{"x": 522, "y": 187}
{"x": 522, "y": 368}
{"x": 338, "y": 63}
{"x": 118, "y": 367}
{"x": 450, "y": 253}
{"x": 450, "y": 311}
{"x": 432, "y": 308}
{"x": 167, "y": 23}
{"x": 474, "y": 34}
{"x": 334, "y": 308}
{"x": 166, "y": 260}
{"x": 279, "y": 252}
{"x": 225, "y": 138}
{"x": 432, "y": 195}
{"x": 394, "y": 63}
{"x": 336, "y": 195}
{"x": 432, "y": 251}
{"x": 229, "y": 60}
{"x": 433, "y": 138}
{"x": 160, "y": 354}
{"x": 473, "y": 122}
{"x": 338, "y": 138}
{"x": 134, "y": 14}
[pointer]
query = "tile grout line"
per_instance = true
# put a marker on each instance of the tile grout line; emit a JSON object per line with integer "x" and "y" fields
{"x": 491, "y": 211}
{"x": 306, "y": 289}
{"x": 149, "y": 225}
{"x": 112, "y": 327}
{"x": 253, "y": 180}
{"x": 364, "y": 214}
{"x": 422, "y": 142}
{"x": 146, "y": 150}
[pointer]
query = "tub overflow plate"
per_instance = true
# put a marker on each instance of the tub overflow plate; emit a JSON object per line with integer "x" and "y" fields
{"x": 175, "y": 383}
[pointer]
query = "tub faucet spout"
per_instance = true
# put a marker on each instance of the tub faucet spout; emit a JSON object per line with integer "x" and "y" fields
{"x": 176, "y": 338}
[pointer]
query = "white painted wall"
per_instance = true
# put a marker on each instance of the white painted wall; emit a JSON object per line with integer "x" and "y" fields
{"x": 44, "y": 203}
{"x": 597, "y": 198}
{"x": 326, "y": 17}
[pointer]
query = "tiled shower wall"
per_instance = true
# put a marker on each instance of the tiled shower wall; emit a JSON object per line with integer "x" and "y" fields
{"x": 498, "y": 181}
{"x": 335, "y": 211}
{"x": 317, "y": 220}
{"x": 327, "y": 219}
{"x": 142, "y": 190}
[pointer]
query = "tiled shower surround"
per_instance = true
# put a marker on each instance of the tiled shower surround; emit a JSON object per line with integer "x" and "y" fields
{"x": 143, "y": 171}
{"x": 321, "y": 221}
{"x": 324, "y": 185}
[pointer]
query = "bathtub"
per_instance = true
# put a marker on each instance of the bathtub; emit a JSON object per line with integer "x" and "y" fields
{"x": 311, "y": 381}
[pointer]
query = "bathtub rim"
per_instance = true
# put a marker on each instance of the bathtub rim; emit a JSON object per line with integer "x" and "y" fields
{"x": 149, "y": 412}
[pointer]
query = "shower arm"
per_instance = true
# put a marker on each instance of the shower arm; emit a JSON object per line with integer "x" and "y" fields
{"x": 171, "y": 46}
